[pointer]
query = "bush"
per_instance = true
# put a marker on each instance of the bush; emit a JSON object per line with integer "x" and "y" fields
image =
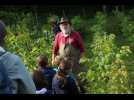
{"x": 107, "y": 72}
{"x": 105, "y": 61}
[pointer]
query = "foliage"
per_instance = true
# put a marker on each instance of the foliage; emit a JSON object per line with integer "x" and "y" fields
{"x": 105, "y": 61}
{"x": 28, "y": 48}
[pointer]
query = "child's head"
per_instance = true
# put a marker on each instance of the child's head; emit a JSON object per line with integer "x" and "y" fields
{"x": 65, "y": 65}
{"x": 57, "y": 60}
{"x": 42, "y": 61}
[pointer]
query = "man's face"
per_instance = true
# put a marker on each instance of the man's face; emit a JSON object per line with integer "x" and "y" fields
{"x": 65, "y": 28}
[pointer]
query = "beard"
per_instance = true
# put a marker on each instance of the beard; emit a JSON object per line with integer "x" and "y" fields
{"x": 67, "y": 31}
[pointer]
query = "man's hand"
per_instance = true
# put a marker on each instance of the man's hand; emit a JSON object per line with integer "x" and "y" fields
{"x": 53, "y": 59}
{"x": 53, "y": 62}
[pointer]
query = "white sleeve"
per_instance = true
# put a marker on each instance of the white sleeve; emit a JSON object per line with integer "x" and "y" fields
{"x": 42, "y": 91}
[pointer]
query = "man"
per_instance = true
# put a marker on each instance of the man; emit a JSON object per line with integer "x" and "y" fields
{"x": 21, "y": 80}
{"x": 68, "y": 44}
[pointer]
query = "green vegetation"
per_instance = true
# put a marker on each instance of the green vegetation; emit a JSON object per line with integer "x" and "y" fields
{"x": 108, "y": 41}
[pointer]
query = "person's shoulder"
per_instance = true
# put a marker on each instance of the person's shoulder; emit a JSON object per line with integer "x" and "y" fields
{"x": 36, "y": 71}
{"x": 49, "y": 68}
{"x": 52, "y": 70}
{"x": 11, "y": 59}
{"x": 59, "y": 34}
{"x": 13, "y": 56}
{"x": 76, "y": 32}
{"x": 15, "y": 61}
{"x": 70, "y": 78}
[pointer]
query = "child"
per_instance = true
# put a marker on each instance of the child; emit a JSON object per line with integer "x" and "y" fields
{"x": 44, "y": 72}
{"x": 62, "y": 82}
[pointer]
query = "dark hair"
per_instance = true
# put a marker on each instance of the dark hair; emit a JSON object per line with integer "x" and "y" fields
{"x": 60, "y": 75}
{"x": 65, "y": 64}
{"x": 39, "y": 79}
{"x": 42, "y": 60}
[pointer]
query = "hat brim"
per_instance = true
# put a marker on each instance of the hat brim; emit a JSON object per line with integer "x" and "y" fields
{"x": 64, "y": 22}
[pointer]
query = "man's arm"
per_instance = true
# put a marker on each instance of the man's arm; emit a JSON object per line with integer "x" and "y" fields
{"x": 53, "y": 58}
{"x": 55, "y": 49}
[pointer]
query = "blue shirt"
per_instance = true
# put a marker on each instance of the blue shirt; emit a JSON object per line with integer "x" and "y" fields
{"x": 17, "y": 72}
{"x": 49, "y": 73}
{"x": 69, "y": 88}
{"x": 5, "y": 82}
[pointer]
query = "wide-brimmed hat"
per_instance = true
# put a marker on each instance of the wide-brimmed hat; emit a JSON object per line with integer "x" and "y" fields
{"x": 64, "y": 20}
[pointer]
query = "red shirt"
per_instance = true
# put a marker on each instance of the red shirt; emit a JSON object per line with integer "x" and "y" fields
{"x": 74, "y": 39}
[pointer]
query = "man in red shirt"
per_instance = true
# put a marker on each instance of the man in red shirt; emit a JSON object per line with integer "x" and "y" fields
{"x": 67, "y": 44}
